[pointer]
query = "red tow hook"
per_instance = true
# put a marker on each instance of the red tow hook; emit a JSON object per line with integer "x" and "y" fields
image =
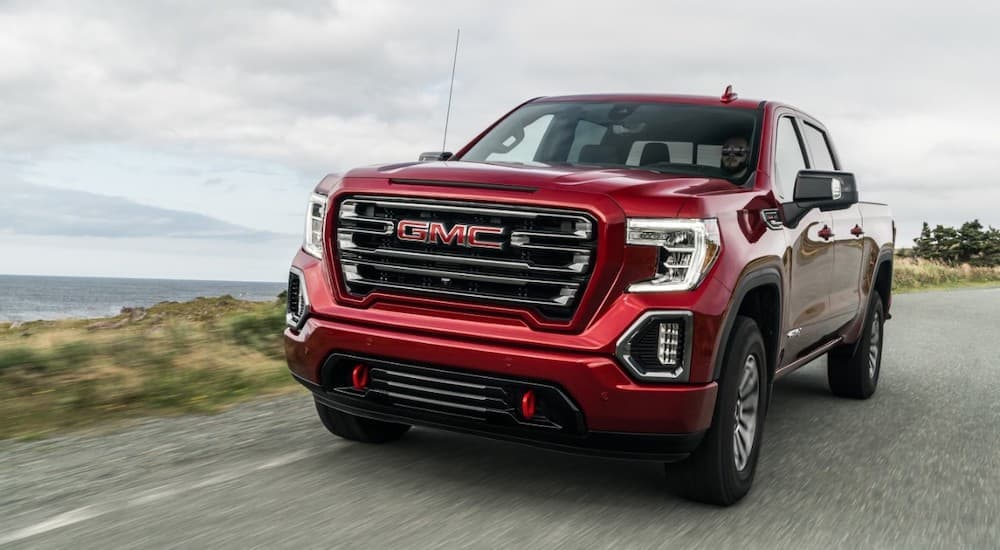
{"x": 857, "y": 231}
{"x": 359, "y": 377}
{"x": 528, "y": 405}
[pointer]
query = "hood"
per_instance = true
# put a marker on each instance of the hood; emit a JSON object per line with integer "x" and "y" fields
{"x": 618, "y": 183}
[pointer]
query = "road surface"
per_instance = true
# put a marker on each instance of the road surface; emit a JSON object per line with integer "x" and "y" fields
{"x": 917, "y": 465}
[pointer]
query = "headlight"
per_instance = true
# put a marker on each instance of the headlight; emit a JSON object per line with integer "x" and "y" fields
{"x": 315, "y": 220}
{"x": 687, "y": 250}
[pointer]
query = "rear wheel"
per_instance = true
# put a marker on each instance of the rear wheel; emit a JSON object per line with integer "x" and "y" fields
{"x": 721, "y": 470}
{"x": 853, "y": 370}
{"x": 357, "y": 428}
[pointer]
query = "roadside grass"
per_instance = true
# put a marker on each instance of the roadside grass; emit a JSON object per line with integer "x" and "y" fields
{"x": 910, "y": 274}
{"x": 199, "y": 356}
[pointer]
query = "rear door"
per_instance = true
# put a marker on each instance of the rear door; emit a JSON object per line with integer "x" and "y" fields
{"x": 848, "y": 249}
{"x": 810, "y": 255}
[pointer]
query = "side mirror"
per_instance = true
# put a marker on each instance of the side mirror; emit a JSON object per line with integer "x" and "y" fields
{"x": 434, "y": 155}
{"x": 826, "y": 190}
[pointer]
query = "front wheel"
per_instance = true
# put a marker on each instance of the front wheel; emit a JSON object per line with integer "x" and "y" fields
{"x": 721, "y": 470}
{"x": 853, "y": 370}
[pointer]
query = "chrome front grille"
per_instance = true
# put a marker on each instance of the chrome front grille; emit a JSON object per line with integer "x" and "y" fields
{"x": 472, "y": 251}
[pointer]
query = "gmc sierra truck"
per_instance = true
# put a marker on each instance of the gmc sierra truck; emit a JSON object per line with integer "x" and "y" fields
{"x": 620, "y": 275}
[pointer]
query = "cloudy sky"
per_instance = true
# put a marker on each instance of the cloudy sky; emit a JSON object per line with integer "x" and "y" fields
{"x": 181, "y": 139}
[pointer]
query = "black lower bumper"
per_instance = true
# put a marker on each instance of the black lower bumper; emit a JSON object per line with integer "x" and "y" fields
{"x": 643, "y": 446}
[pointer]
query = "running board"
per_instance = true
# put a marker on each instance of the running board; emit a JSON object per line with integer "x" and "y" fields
{"x": 794, "y": 365}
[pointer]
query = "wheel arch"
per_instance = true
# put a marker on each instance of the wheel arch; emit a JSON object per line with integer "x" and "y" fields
{"x": 882, "y": 280}
{"x": 758, "y": 295}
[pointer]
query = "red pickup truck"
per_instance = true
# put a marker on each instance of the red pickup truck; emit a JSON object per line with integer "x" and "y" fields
{"x": 621, "y": 275}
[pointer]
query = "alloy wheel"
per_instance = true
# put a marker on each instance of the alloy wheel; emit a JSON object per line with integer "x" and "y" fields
{"x": 874, "y": 340}
{"x": 747, "y": 406}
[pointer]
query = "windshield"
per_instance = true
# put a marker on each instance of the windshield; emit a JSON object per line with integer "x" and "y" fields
{"x": 700, "y": 140}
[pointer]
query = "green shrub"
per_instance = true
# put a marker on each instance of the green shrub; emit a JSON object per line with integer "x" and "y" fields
{"x": 260, "y": 330}
{"x": 64, "y": 357}
{"x": 19, "y": 358}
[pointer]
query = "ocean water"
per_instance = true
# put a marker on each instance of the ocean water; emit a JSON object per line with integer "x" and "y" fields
{"x": 31, "y": 298}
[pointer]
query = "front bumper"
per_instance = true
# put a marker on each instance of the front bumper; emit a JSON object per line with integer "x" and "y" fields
{"x": 619, "y": 417}
{"x": 645, "y": 446}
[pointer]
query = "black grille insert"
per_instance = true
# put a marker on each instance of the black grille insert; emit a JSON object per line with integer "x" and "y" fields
{"x": 538, "y": 257}
{"x": 454, "y": 393}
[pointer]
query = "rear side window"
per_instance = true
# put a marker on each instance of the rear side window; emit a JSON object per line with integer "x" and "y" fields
{"x": 788, "y": 157}
{"x": 818, "y": 146}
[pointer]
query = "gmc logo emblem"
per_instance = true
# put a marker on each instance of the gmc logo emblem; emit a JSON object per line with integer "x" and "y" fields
{"x": 459, "y": 235}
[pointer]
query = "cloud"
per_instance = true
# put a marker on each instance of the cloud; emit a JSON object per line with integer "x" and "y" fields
{"x": 327, "y": 85}
{"x": 38, "y": 210}
{"x": 321, "y": 86}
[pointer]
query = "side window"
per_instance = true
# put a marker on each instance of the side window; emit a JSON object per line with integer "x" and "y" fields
{"x": 818, "y": 146}
{"x": 788, "y": 158}
{"x": 524, "y": 151}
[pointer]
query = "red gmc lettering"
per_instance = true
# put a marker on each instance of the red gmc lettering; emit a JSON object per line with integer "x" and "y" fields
{"x": 408, "y": 230}
{"x": 475, "y": 232}
{"x": 458, "y": 235}
{"x": 455, "y": 236}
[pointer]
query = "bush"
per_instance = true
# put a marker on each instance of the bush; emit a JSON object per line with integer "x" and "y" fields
{"x": 260, "y": 330}
{"x": 19, "y": 358}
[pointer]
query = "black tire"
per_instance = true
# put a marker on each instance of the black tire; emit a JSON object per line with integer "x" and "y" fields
{"x": 712, "y": 474}
{"x": 853, "y": 369}
{"x": 357, "y": 428}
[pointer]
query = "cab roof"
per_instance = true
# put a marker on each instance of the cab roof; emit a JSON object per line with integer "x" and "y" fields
{"x": 717, "y": 101}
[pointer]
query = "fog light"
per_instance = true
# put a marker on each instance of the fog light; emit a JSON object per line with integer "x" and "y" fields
{"x": 658, "y": 346}
{"x": 359, "y": 377}
{"x": 668, "y": 343}
{"x": 528, "y": 405}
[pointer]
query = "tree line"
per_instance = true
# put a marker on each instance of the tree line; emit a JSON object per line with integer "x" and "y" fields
{"x": 970, "y": 244}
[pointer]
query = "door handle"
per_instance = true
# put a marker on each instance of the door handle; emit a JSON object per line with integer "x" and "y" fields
{"x": 857, "y": 231}
{"x": 826, "y": 233}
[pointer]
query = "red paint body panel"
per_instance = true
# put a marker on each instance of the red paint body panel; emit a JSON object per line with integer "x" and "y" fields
{"x": 578, "y": 354}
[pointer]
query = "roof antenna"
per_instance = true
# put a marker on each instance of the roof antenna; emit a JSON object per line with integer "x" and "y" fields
{"x": 729, "y": 95}
{"x": 451, "y": 88}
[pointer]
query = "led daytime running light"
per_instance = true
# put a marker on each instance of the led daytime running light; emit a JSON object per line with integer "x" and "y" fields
{"x": 687, "y": 250}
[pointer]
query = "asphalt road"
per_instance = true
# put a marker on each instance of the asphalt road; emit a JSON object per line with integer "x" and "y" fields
{"x": 918, "y": 465}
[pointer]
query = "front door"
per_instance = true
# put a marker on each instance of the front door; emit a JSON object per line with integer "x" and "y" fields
{"x": 810, "y": 253}
{"x": 809, "y": 318}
